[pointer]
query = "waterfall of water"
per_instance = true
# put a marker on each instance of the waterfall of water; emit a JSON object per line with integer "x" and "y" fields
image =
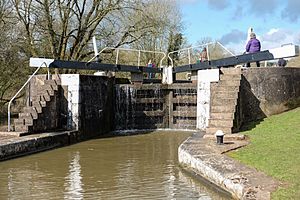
{"x": 125, "y": 107}
{"x": 139, "y": 108}
{"x": 153, "y": 107}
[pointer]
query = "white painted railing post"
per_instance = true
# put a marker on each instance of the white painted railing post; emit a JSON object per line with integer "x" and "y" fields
{"x": 139, "y": 58}
{"x": 117, "y": 56}
{"x": 189, "y": 56}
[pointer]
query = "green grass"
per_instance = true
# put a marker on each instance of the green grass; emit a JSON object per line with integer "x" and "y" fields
{"x": 275, "y": 149}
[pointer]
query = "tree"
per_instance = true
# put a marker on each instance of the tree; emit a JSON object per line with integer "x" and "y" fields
{"x": 215, "y": 50}
{"x": 13, "y": 74}
{"x": 175, "y": 42}
{"x": 63, "y": 29}
{"x": 162, "y": 17}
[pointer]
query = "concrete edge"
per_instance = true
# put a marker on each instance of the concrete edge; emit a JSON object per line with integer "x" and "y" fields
{"x": 26, "y": 145}
{"x": 16, "y": 134}
{"x": 241, "y": 181}
{"x": 208, "y": 172}
{"x": 205, "y": 181}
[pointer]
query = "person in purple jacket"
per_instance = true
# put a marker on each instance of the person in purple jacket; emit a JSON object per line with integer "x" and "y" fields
{"x": 253, "y": 46}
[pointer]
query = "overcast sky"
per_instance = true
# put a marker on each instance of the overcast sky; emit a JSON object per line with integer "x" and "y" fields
{"x": 275, "y": 22}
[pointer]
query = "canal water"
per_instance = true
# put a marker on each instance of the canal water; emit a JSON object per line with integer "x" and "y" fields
{"x": 141, "y": 166}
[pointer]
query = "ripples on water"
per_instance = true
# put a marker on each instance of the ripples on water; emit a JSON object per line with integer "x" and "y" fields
{"x": 133, "y": 167}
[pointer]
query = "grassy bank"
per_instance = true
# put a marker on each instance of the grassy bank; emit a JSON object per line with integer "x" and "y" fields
{"x": 275, "y": 150}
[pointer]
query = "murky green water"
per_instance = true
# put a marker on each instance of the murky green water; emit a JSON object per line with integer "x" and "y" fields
{"x": 132, "y": 167}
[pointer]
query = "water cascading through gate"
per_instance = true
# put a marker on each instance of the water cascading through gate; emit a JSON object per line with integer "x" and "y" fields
{"x": 155, "y": 106}
{"x": 139, "y": 107}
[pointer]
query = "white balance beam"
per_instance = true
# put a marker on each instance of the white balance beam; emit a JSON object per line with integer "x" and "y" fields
{"x": 285, "y": 51}
{"x": 40, "y": 62}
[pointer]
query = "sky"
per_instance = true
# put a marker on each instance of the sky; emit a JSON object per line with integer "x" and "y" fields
{"x": 275, "y": 22}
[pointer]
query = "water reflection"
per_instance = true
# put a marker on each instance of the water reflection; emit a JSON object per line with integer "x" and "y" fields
{"x": 133, "y": 167}
{"x": 73, "y": 184}
{"x": 25, "y": 182}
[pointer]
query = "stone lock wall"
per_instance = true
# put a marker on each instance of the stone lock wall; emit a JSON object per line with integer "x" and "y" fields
{"x": 83, "y": 103}
{"x": 266, "y": 91}
{"x": 95, "y": 105}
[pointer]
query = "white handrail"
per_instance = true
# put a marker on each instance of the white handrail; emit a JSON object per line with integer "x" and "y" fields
{"x": 139, "y": 57}
{"x": 207, "y": 52}
{"x": 226, "y": 49}
{"x": 135, "y": 50}
{"x": 186, "y": 49}
{"x": 189, "y": 55}
{"x": 117, "y": 56}
{"x": 189, "y": 48}
{"x": 9, "y": 104}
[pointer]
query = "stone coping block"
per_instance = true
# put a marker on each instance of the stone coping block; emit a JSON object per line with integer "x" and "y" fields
{"x": 12, "y": 133}
{"x": 13, "y": 146}
{"x": 207, "y": 159}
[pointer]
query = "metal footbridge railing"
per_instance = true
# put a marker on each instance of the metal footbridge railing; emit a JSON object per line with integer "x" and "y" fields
{"x": 190, "y": 51}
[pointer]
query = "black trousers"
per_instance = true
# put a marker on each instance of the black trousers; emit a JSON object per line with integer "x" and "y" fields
{"x": 257, "y": 64}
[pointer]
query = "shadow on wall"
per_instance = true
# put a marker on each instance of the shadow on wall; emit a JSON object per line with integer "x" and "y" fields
{"x": 251, "y": 113}
{"x": 293, "y": 103}
{"x": 50, "y": 103}
{"x": 63, "y": 110}
{"x": 267, "y": 91}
